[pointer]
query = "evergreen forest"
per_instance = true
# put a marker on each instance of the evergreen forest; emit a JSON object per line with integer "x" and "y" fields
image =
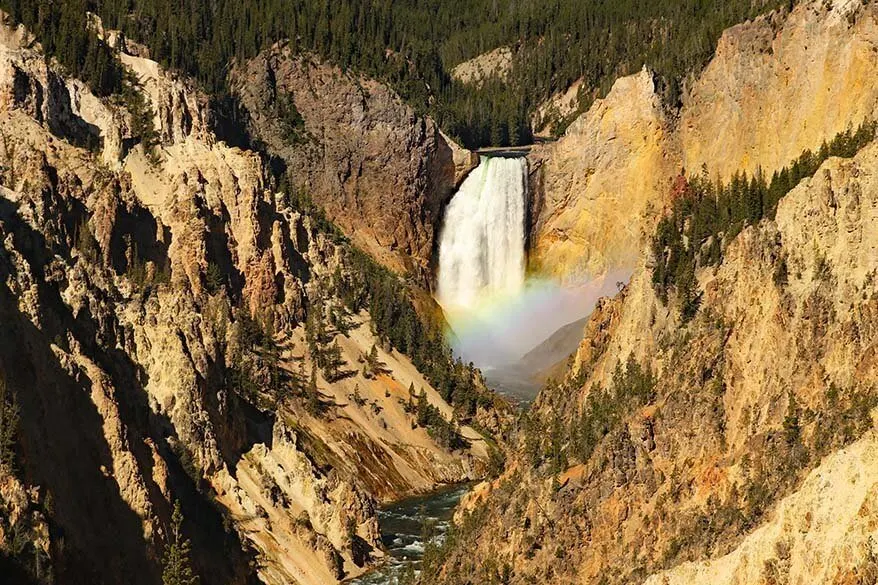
{"x": 410, "y": 44}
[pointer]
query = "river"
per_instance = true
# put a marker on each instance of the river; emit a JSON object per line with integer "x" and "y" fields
{"x": 401, "y": 525}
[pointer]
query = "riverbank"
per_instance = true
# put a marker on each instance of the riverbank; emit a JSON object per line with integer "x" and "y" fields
{"x": 404, "y": 528}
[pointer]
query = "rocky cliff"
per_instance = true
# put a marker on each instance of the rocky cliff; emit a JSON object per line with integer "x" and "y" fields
{"x": 153, "y": 303}
{"x": 493, "y": 64}
{"x": 776, "y": 86}
{"x": 782, "y": 84}
{"x": 379, "y": 170}
{"x": 732, "y": 444}
{"x": 592, "y": 189}
{"x": 731, "y": 448}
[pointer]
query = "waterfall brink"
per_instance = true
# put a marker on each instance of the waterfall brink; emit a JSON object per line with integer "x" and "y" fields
{"x": 481, "y": 249}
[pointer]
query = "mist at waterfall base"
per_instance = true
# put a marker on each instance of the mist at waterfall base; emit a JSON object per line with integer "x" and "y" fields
{"x": 496, "y": 315}
{"x": 499, "y": 331}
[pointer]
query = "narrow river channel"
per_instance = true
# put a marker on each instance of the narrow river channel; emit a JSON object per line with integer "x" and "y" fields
{"x": 402, "y": 526}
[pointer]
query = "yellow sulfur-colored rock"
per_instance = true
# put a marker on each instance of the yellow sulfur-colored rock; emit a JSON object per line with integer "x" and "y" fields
{"x": 594, "y": 187}
{"x": 777, "y": 86}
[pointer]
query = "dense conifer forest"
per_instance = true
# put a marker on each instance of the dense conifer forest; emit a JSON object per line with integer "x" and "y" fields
{"x": 410, "y": 44}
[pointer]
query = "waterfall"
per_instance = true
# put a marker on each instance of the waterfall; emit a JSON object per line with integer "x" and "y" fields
{"x": 481, "y": 249}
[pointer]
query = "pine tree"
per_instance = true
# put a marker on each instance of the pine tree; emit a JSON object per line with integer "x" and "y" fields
{"x": 373, "y": 364}
{"x": 313, "y": 393}
{"x": 177, "y": 565}
{"x": 8, "y": 425}
{"x": 300, "y": 379}
{"x": 332, "y": 362}
{"x": 423, "y": 409}
{"x": 86, "y": 242}
{"x": 214, "y": 278}
{"x": 792, "y": 429}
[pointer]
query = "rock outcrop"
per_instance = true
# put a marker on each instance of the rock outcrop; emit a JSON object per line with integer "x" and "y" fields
{"x": 823, "y": 533}
{"x": 592, "y": 189}
{"x": 153, "y": 308}
{"x": 776, "y": 86}
{"x": 380, "y": 171}
{"x": 743, "y": 457}
{"x": 780, "y": 85}
{"x": 495, "y": 64}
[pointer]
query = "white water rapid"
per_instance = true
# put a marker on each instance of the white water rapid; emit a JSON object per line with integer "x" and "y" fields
{"x": 481, "y": 250}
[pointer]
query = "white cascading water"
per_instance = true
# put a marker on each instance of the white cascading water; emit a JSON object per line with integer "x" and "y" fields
{"x": 481, "y": 249}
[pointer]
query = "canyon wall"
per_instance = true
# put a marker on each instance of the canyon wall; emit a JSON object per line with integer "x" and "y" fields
{"x": 379, "y": 170}
{"x": 730, "y": 448}
{"x": 592, "y": 188}
{"x": 154, "y": 303}
{"x": 780, "y": 85}
{"x": 776, "y": 86}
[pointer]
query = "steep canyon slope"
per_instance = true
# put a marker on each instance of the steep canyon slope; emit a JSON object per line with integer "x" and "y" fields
{"x": 736, "y": 447}
{"x": 735, "y": 443}
{"x": 777, "y": 85}
{"x": 175, "y": 329}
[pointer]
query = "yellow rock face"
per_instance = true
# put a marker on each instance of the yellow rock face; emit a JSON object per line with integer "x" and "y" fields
{"x": 769, "y": 94}
{"x": 595, "y": 185}
{"x": 777, "y": 86}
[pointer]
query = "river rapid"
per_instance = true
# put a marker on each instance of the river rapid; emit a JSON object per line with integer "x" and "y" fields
{"x": 402, "y": 531}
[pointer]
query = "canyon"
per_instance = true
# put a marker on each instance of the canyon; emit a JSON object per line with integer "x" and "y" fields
{"x": 143, "y": 292}
{"x": 731, "y": 445}
{"x": 267, "y": 333}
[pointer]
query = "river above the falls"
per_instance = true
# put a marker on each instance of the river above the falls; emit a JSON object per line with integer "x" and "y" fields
{"x": 402, "y": 528}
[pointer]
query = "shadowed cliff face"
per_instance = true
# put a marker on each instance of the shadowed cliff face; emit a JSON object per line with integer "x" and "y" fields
{"x": 88, "y": 438}
{"x": 153, "y": 309}
{"x": 381, "y": 172}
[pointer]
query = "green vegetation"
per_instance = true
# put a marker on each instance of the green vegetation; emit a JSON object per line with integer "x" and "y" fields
{"x": 847, "y": 414}
{"x": 62, "y": 29}
{"x": 254, "y": 369}
{"x": 443, "y": 432}
{"x": 145, "y": 273}
{"x": 312, "y": 394}
{"x": 398, "y": 324}
{"x": 8, "y": 425}
{"x": 770, "y": 470}
{"x": 177, "y": 568}
{"x": 559, "y": 438}
{"x": 410, "y": 44}
{"x": 463, "y": 536}
{"x": 142, "y": 115}
{"x": 707, "y": 215}
{"x": 214, "y": 278}
{"x": 374, "y": 366}
{"x": 86, "y": 242}
{"x": 322, "y": 345}
{"x": 605, "y": 410}
{"x": 359, "y": 284}
{"x": 791, "y": 426}
{"x": 291, "y": 121}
